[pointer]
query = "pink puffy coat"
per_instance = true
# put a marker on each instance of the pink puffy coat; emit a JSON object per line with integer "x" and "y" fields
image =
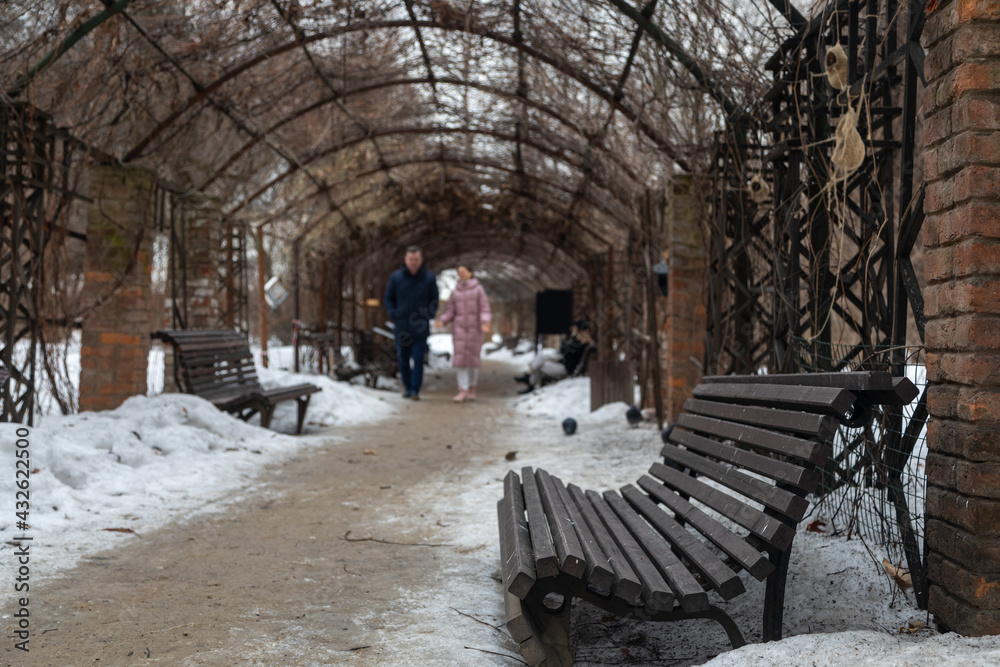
{"x": 467, "y": 308}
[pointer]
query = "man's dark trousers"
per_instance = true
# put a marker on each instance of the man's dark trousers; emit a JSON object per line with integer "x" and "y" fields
{"x": 413, "y": 379}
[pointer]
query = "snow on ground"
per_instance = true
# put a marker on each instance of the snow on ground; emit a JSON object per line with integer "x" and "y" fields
{"x": 840, "y": 608}
{"x": 156, "y": 459}
{"x": 161, "y": 458}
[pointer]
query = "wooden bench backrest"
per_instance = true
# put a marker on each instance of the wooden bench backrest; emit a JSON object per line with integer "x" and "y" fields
{"x": 213, "y": 363}
{"x": 755, "y": 448}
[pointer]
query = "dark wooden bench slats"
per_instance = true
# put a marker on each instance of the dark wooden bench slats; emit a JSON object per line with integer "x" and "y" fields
{"x": 519, "y": 624}
{"x": 546, "y": 559}
{"x": 515, "y": 546}
{"x": 902, "y": 393}
{"x": 750, "y": 559}
{"x": 291, "y": 391}
{"x": 219, "y": 367}
{"x": 656, "y": 593}
{"x": 720, "y": 577}
{"x": 627, "y": 586}
{"x": 779, "y": 500}
{"x": 687, "y": 591}
{"x": 599, "y": 574}
{"x": 804, "y": 423}
{"x": 777, "y": 443}
{"x": 773, "y": 531}
{"x": 824, "y": 400}
{"x": 855, "y": 381}
{"x": 747, "y": 450}
{"x": 572, "y": 560}
{"x": 777, "y": 470}
{"x": 876, "y": 386}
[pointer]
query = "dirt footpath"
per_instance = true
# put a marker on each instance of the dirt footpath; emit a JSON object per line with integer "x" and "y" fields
{"x": 298, "y": 573}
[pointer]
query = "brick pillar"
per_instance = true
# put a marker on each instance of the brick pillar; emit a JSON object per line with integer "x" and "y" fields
{"x": 202, "y": 220}
{"x": 962, "y": 236}
{"x": 203, "y": 217}
{"x": 117, "y": 272}
{"x": 682, "y": 346}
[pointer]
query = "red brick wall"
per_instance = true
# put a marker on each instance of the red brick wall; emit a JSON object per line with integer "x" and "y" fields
{"x": 203, "y": 217}
{"x": 682, "y": 347}
{"x": 117, "y": 276}
{"x": 962, "y": 268}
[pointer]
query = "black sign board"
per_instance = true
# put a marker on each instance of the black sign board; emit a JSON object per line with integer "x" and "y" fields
{"x": 553, "y": 311}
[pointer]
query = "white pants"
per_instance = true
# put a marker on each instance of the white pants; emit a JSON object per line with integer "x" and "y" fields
{"x": 467, "y": 377}
{"x": 545, "y": 366}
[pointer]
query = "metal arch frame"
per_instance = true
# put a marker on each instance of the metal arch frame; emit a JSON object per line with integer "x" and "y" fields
{"x": 456, "y": 162}
{"x": 404, "y": 130}
{"x": 548, "y": 59}
{"x": 573, "y": 253}
{"x": 414, "y": 81}
{"x": 558, "y": 242}
{"x": 612, "y": 192}
{"x": 580, "y": 250}
{"x": 444, "y": 248}
{"x": 240, "y": 124}
{"x": 597, "y": 139}
{"x": 469, "y": 165}
{"x": 300, "y": 35}
{"x": 459, "y": 162}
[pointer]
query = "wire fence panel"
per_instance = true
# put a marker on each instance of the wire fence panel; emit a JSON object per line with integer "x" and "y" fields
{"x": 875, "y": 485}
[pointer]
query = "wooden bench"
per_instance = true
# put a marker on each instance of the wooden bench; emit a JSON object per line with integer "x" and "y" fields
{"x": 218, "y": 366}
{"x": 747, "y": 449}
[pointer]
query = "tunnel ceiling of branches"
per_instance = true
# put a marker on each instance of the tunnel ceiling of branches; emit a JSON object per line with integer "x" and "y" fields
{"x": 514, "y": 131}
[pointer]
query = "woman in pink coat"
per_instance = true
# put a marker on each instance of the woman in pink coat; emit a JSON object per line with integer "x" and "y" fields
{"x": 468, "y": 310}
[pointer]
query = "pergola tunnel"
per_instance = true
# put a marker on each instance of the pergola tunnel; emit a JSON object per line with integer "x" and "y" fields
{"x": 724, "y": 188}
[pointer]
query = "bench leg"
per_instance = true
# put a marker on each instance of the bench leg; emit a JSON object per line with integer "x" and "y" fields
{"x": 774, "y": 595}
{"x": 266, "y": 414}
{"x": 303, "y": 406}
{"x": 553, "y": 631}
{"x": 736, "y": 639}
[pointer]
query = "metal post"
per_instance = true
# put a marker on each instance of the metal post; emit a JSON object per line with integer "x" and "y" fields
{"x": 261, "y": 298}
{"x": 296, "y": 314}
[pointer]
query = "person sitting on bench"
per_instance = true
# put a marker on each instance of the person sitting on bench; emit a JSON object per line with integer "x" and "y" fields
{"x": 546, "y": 366}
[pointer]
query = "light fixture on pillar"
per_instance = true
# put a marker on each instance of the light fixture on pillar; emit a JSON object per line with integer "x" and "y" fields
{"x": 660, "y": 269}
{"x": 274, "y": 293}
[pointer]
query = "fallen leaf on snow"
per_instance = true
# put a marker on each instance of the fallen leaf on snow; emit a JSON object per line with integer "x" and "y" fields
{"x": 898, "y": 574}
{"x": 816, "y": 526}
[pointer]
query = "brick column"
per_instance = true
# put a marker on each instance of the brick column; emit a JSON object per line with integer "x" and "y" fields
{"x": 203, "y": 217}
{"x": 202, "y": 220}
{"x": 682, "y": 346}
{"x": 117, "y": 271}
{"x": 962, "y": 236}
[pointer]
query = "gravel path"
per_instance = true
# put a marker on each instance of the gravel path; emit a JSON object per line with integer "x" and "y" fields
{"x": 304, "y": 570}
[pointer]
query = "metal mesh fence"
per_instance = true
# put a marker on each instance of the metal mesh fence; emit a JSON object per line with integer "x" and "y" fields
{"x": 875, "y": 486}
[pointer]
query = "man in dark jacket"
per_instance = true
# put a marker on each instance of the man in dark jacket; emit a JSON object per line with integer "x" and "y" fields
{"x": 412, "y": 300}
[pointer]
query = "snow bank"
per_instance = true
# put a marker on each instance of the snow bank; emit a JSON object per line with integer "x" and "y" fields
{"x": 155, "y": 459}
{"x": 135, "y": 467}
{"x": 851, "y": 649}
{"x": 339, "y": 404}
